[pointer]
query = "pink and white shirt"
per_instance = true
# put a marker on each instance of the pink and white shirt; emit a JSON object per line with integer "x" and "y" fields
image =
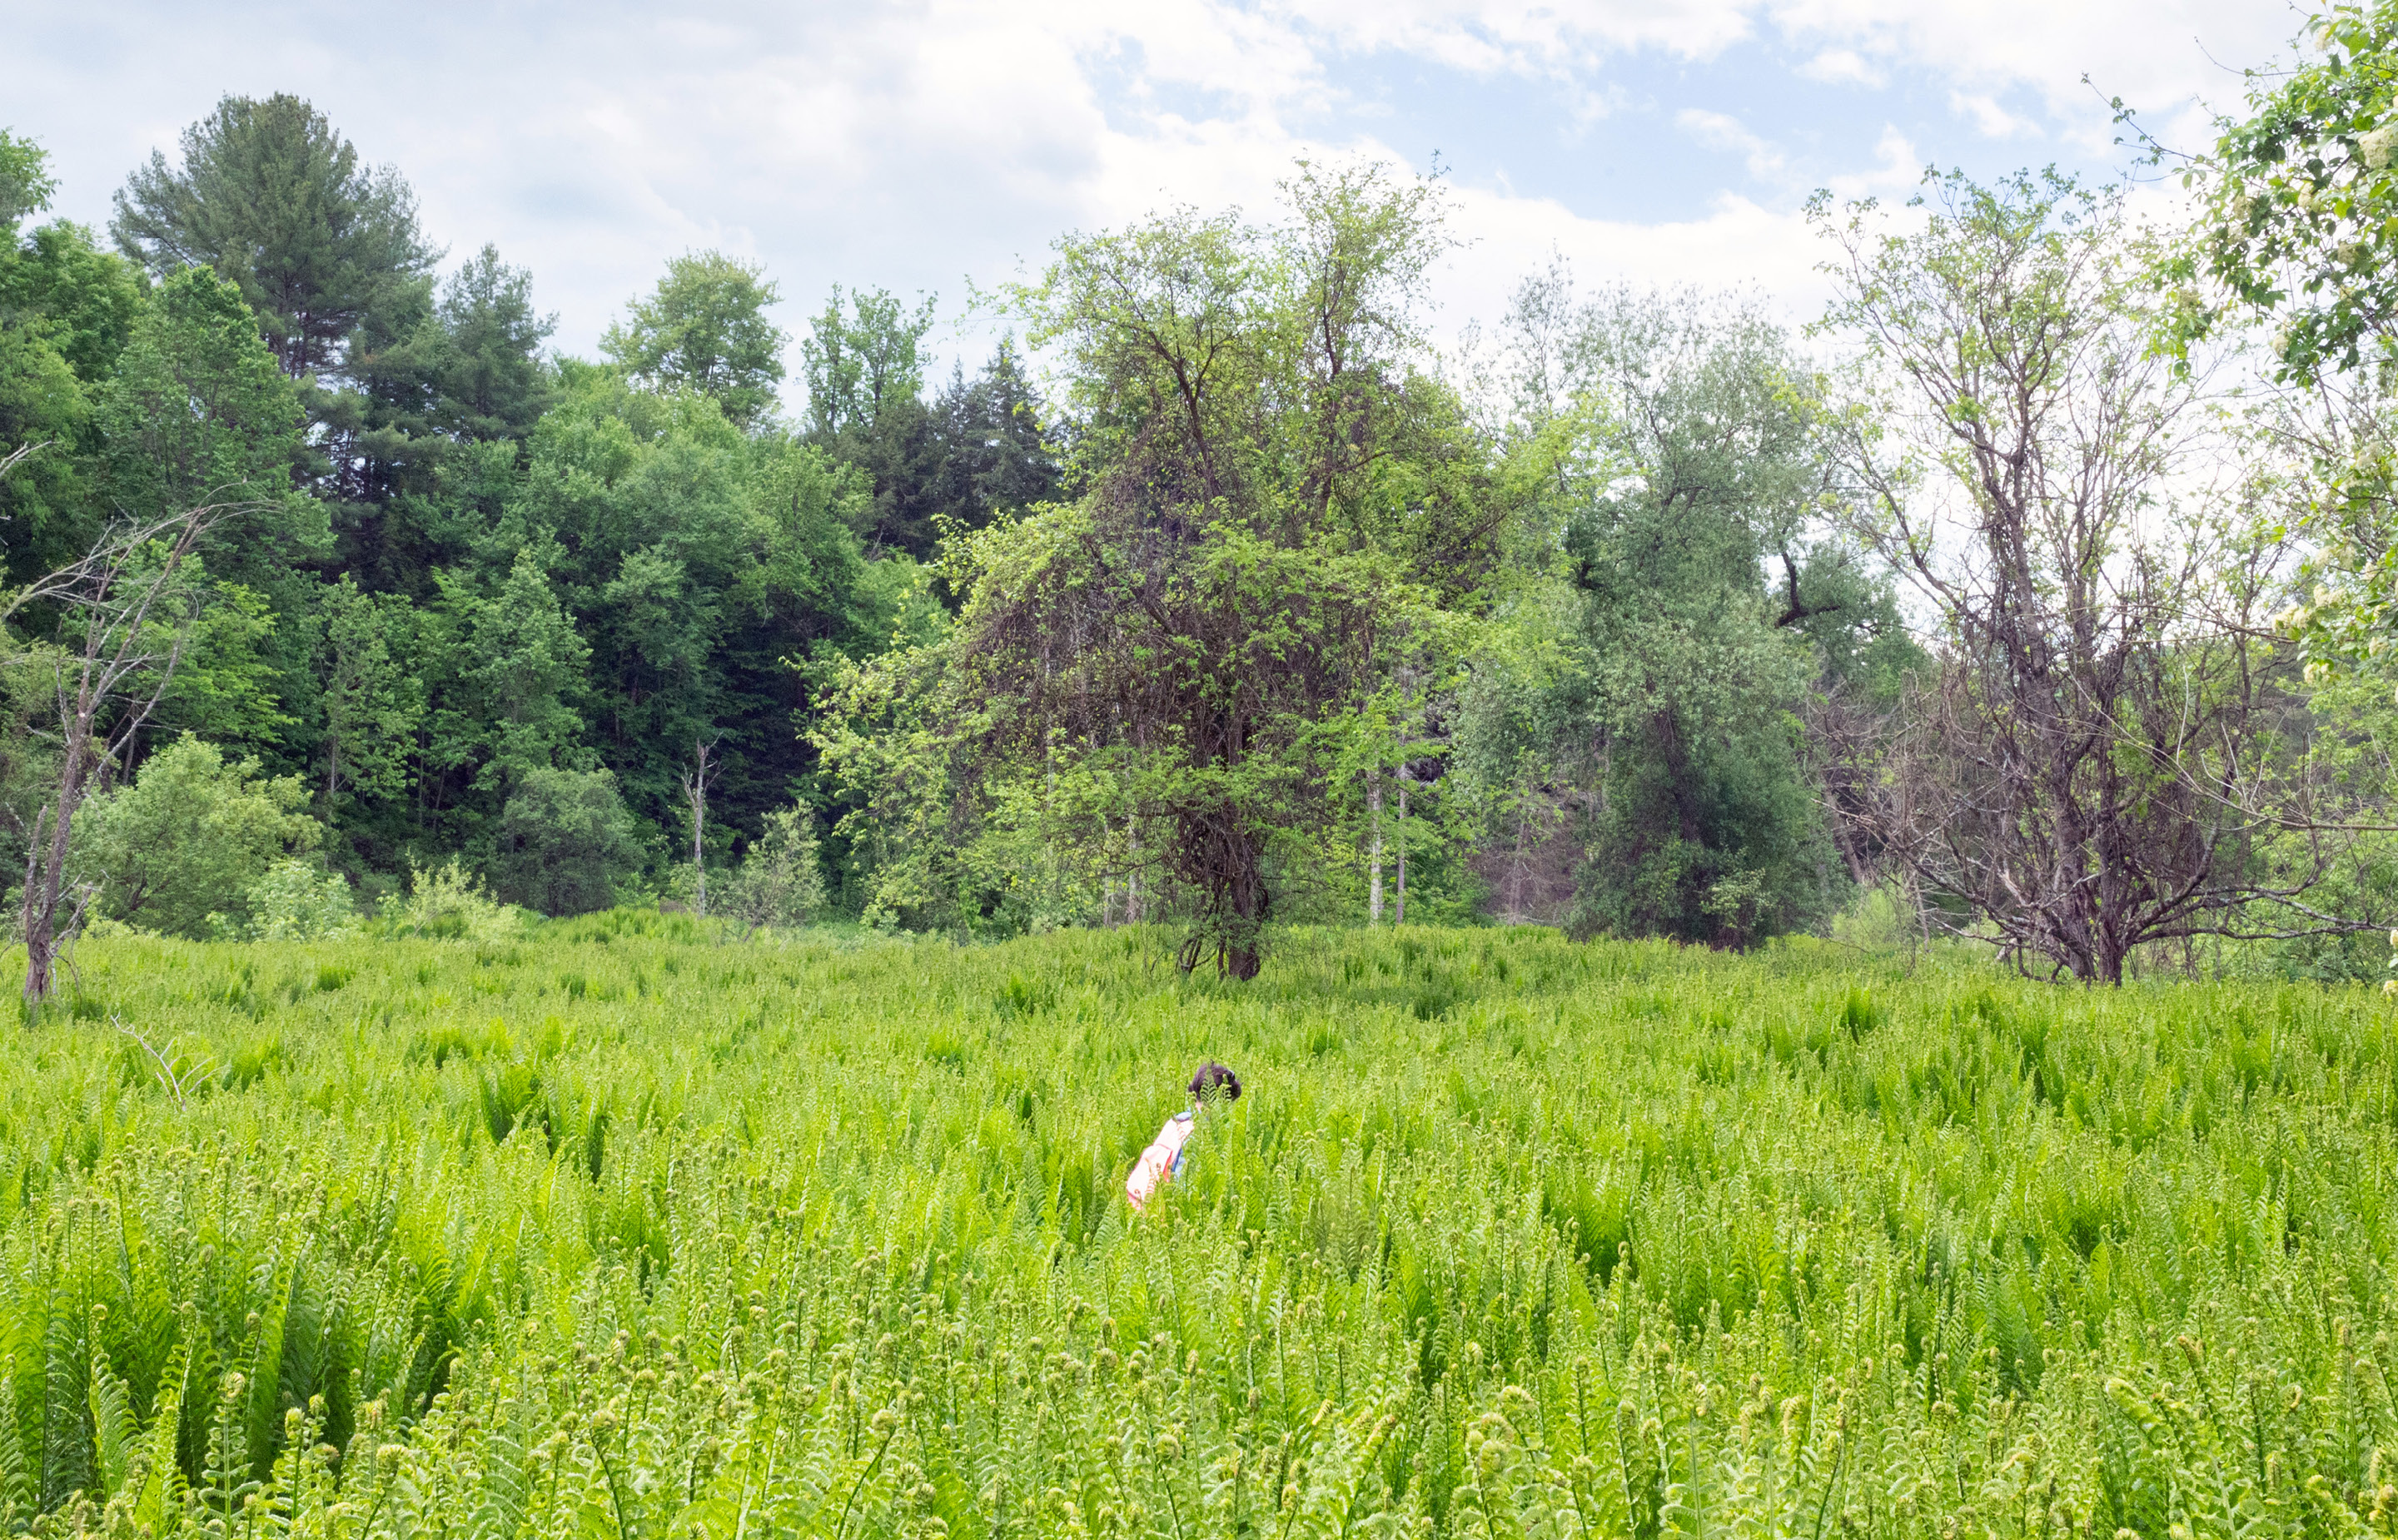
{"x": 1161, "y": 1160}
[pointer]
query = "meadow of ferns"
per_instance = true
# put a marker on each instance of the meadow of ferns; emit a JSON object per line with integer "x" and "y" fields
{"x": 618, "y": 1231}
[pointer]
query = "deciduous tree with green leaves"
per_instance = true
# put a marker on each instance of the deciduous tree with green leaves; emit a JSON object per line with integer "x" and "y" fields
{"x": 1274, "y": 495}
{"x": 565, "y": 841}
{"x": 372, "y": 702}
{"x": 1681, "y": 467}
{"x": 190, "y": 837}
{"x": 705, "y": 328}
{"x": 524, "y": 676}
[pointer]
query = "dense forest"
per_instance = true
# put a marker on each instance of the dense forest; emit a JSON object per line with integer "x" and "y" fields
{"x": 2040, "y": 595}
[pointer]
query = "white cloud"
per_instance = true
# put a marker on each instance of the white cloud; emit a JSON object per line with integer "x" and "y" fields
{"x": 914, "y": 143}
{"x": 1721, "y": 132}
{"x": 1841, "y": 67}
{"x": 1994, "y": 121}
{"x": 1897, "y": 168}
{"x": 1546, "y": 37}
{"x": 2157, "y": 54}
{"x": 1738, "y": 244}
{"x": 2160, "y": 56}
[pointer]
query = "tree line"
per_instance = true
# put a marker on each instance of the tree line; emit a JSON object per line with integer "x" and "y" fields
{"x": 2038, "y": 596}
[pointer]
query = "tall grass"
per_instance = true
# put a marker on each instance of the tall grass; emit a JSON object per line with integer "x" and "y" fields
{"x": 617, "y": 1231}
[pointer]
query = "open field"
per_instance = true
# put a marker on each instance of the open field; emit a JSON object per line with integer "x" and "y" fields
{"x": 613, "y": 1231}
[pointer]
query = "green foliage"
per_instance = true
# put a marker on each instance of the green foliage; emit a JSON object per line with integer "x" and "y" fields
{"x": 1707, "y": 838}
{"x": 294, "y": 902}
{"x": 197, "y": 413}
{"x": 780, "y": 881}
{"x": 447, "y": 902}
{"x": 190, "y": 838}
{"x": 606, "y": 1229}
{"x": 372, "y": 705}
{"x": 698, "y": 565}
{"x": 87, "y": 299}
{"x": 2301, "y": 210}
{"x": 227, "y": 686}
{"x": 861, "y": 365}
{"x": 273, "y": 198}
{"x": 523, "y": 669}
{"x": 25, "y": 181}
{"x": 1278, "y": 521}
{"x": 44, "y": 414}
{"x": 1677, "y": 447}
{"x": 704, "y": 330}
{"x": 973, "y": 452}
{"x": 565, "y": 842}
{"x": 475, "y": 367}
{"x": 65, "y": 311}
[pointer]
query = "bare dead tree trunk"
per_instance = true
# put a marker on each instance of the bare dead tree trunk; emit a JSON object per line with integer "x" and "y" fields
{"x": 1132, "y": 873}
{"x": 1517, "y": 867}
{"x": 1399, "y": 913}
{"x": 129, "y": 598}
{"x": 696, "y": 781}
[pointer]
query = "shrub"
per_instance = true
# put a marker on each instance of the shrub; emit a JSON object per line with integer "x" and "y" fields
{"x": 565, "y": 842}
{"x": 449, "y": 902}
{"x": 779, "y": 881}
{"x": 189, "y": 839}
{"x": 294, "y": 902}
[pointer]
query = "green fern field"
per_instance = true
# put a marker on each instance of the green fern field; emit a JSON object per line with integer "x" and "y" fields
{"x": 618, "y": 1231}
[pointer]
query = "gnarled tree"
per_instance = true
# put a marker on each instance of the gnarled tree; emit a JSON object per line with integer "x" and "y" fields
{"x": 1274, "y": 498}
{"x": 2093, "y": 769}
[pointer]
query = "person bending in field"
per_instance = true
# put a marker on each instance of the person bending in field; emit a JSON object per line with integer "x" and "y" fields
{"x": 1163, "y": 1159}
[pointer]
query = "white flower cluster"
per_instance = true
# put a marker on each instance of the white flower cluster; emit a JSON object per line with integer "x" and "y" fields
{"x": 2376, "y": 146}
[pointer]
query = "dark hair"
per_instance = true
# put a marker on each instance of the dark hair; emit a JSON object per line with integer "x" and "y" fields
{"x": 1213, "y": 1076}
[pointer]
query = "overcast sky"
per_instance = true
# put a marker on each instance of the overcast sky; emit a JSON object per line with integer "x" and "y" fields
{"x": 920, "y": 146}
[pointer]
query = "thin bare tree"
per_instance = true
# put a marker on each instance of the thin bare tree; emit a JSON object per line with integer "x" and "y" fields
{"x": 696, "y": 781}
{"x": 2091, "y": 770}
{"x": 125, "y": 613}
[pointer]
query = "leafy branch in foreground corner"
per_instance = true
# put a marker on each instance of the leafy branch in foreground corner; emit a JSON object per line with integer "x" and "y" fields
{"x": 2300, "y": 210}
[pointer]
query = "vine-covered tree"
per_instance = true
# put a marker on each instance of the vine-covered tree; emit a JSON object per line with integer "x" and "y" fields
{"x": 1272, "y": 498}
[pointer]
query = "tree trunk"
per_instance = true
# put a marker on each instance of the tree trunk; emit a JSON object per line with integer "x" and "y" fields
{"x": 1517, "y": 869}
{"x": 1132, "y": 877}
{"x": 1399, "y": 915}
{"x": 695, "y": 789}
{"x": 1374, "y": 860}
{"x": 1245, "y": 945}
{"x": 46, "y": 870}
{"x": 1222, "y": 855}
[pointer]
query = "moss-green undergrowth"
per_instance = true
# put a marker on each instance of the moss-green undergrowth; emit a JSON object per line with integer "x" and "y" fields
{"x": 618, "y": 1231}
